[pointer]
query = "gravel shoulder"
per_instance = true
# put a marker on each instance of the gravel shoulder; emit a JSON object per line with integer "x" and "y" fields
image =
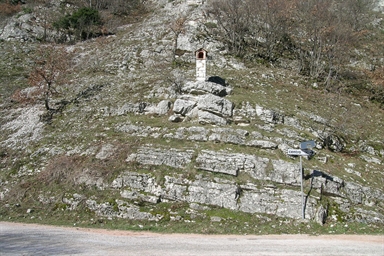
{"x": 33, "y": 239}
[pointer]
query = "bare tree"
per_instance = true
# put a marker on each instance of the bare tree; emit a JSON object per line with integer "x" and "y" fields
{"x": 323, "y": 38}
{"x": 50, "y": 71}
{"x": 47, "y": 16}
{"x": 271, "y": 22}
{"x": 233, "y": 22}
{"x": 358, "y": 13}
{"x": 376, "y": 89}
{"x": 177, "y": 28}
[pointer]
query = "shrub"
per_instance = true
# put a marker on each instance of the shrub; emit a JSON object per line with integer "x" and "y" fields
{"x": 82, "y": 24}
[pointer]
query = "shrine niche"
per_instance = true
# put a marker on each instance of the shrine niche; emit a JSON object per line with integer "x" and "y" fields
{"x": 201, "y": 64}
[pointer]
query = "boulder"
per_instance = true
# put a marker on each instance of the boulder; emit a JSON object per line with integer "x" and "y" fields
{"x": 215, "y": 105}
{"x": 269, "y": 116}
{"x": 370, "y": 159}
{"x": 25, "y": 27}
{"x": 193, "y": 133}
{"x": 204, "y": 87}
{"x": 219, "y": 162}
{"x": 245, "y": 109}
{"x": 212, "y": 193}
{"x": 210, "y": 118}
{"x": 183, "y": 107}
{"x": 119, "y": 209}
{"x": 228, "y": 135}
{"x": 264, "y": 144}
{"x": 175, "y": 118}
{"x": 227, "y": 163}
{"x": 284, "y": 172}
{"x": 175, "y": 188}
{"x": 321, "y": 215}
{"x": 196, "y": 133}
{"x": 15, "y": 29}
{"x": 334, "y": 143}
{"x": 283, "y": 203}
{"x": 88, "y": 177}
{"x": 158, "y": 156}
{"x": 161, "y": 108}
{"x": 105, "y": 152}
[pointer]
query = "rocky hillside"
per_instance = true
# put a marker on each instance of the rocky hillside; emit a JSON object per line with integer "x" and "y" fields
{"x": 139, "y": 142}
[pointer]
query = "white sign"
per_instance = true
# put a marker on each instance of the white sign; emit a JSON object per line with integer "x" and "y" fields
{"x": 307, "y": 144}
{"x": 297, "y": 152}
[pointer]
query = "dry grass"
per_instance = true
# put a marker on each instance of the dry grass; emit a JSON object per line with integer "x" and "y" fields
{"x": 7, "y": 9}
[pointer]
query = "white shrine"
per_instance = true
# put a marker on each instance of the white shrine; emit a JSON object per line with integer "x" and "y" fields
{"x": 201, "y": 64}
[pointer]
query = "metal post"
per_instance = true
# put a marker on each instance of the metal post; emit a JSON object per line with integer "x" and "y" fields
{"x": 302, "y": 193}
{"x": 303, "y": 151}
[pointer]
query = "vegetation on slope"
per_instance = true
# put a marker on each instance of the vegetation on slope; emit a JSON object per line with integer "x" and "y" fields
{"x": 96, "y": 84}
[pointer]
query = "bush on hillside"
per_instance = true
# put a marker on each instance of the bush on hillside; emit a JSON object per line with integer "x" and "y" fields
{"x": 321, "y": 35}
{"x": 80, "y": 25}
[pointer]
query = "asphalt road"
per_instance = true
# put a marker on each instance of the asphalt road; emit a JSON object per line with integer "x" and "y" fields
{"x": 31, "y": 239}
